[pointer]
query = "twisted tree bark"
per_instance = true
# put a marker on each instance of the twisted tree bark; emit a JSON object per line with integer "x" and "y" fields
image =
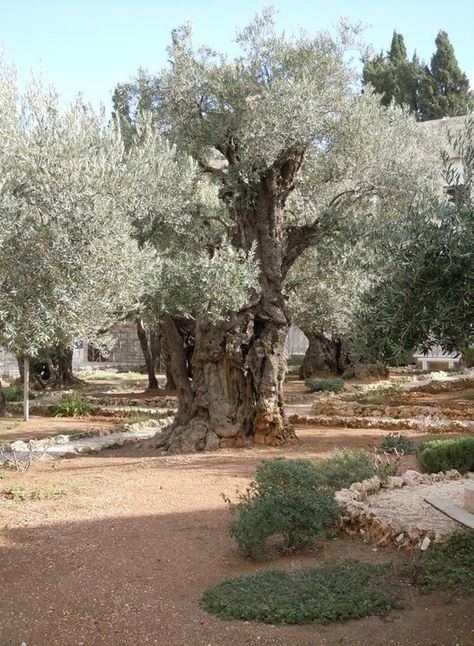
{"x": 239, "y": 365}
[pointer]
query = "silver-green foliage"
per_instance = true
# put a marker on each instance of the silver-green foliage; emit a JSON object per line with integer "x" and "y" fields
{"x": 68, "y": 264}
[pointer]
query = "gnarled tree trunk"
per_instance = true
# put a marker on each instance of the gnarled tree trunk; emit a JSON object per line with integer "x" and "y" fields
{"x": 314, "y": 360}
{"x": 239, "y": 365}
{"x": 325, "y": 354}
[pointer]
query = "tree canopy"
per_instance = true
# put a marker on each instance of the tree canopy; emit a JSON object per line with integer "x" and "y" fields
{"x": 69, "y": 267}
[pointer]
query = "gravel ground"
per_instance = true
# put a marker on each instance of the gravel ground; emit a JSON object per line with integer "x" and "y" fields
{"x": 407, "y": 505}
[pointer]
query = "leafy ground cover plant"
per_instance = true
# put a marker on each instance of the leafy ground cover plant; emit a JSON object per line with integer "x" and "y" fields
{"x": 445, "y": 454}
{"x": 18, "y": 493}
{"x": 449, "y": 565}
{"x": 73, "y": 407}
{"x": 332, "y": 592}
{"x": 325, "y": 385}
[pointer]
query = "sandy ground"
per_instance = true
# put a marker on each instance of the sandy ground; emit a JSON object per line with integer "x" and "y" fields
{"x": 123, "y": 558}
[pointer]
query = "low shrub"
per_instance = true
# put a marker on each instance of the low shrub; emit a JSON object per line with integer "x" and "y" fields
{"x": 397, "y": 443}
{"x": 73, "y": 407}
{"x": 15, "y": 394}
{"x": 296, "y": 360}
{"x": 291, "y": 502}
{"x": 334, "y": 385}
{"x": 442, "y": 455}
{"x": 322, "y": 594}
{"x": 342, "y": 468}
{"x": 449, "y": 565}
{"x": 283, "y": 509}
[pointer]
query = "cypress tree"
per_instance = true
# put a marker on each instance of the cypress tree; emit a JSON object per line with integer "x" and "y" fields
{"x": 445, "y": 90}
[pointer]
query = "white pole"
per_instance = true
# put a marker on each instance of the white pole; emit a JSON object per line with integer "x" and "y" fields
{"x": 26, "y": 383}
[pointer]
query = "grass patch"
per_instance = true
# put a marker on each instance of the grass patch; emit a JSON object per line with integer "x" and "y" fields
{"x": 73, "y": 407}
{"x": 441, "y": 455}
{"x": 449, "y": 565}
{"x": 378, "y": 396}
{"x": 325, "y": 385}
{"x": 349, "y": 590}
{"x": 15, "y": 394}
{"x": 18, "y": 493}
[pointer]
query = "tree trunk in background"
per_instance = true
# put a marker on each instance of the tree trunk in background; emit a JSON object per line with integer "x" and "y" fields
{"x": 314, "y": 361}
{"x": 3, "y": 408}
{"x": 147, "y": 354}
{"x": 178, "y": 370}
{"x": 62, "y": 374}
{"x": 155, "y": 349}
{"x": 325, "y": 355}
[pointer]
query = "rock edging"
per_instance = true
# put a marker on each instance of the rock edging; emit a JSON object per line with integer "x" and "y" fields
{"x": 359, "y": 519}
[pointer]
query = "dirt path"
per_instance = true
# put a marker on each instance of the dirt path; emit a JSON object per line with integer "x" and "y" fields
{"x": 123, "y": 557}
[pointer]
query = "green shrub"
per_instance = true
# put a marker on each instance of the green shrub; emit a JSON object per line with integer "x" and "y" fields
{"x": 73, "y": 407}
{"x": 322, "y": 594}
{"x": 342, "y": 468}
{"x": 449, "y": 565}
{"x": 320, "y": 385}
{"x": 15, "y": 394}
{"x": 283, "y": 509}
{"x": 296, "y": 360}
{"x": 291, "y": 502}
{"x": 394, "y": 442}
{"x": 442, "y": 455}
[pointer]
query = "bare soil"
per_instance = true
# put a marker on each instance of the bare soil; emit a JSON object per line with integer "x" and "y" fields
{"x": 123, "y": 558}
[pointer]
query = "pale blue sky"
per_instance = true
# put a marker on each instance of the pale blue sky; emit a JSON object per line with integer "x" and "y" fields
{"x": 89, "y": 46}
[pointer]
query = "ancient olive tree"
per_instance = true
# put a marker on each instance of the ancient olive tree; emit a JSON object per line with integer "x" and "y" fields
{"x": 69, "y": 267}
{"x": 292, "y": 149}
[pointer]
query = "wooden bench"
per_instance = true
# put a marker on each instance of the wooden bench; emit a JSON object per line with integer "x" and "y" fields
{"x": 457, "y": 513}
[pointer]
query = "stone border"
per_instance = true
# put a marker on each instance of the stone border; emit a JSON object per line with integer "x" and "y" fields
{"x": 82, "y": 442}
{"x": 361, "y": 520}
{"x": 425, "y": 425}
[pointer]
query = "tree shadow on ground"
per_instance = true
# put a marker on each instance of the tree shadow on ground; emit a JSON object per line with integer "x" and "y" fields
{"x": 138, "y": 580}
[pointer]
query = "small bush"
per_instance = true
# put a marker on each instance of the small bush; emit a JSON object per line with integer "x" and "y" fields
{"x": 73, "y": 407}
{"x": 283, "y": 509}
{"x": 442, "y": 455}
{"x": 322, "y": 594}
{"x": 396, "y": 442}
{"x": 342, "y": 468}
{"x": 321, "y": 385}
{"x": 15, "y": 394}
{"x": 291, "y": 502}
{"x": 468, "y": 357}
{"x": 296, "y": 360}
{"x": 449, "y": 565}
